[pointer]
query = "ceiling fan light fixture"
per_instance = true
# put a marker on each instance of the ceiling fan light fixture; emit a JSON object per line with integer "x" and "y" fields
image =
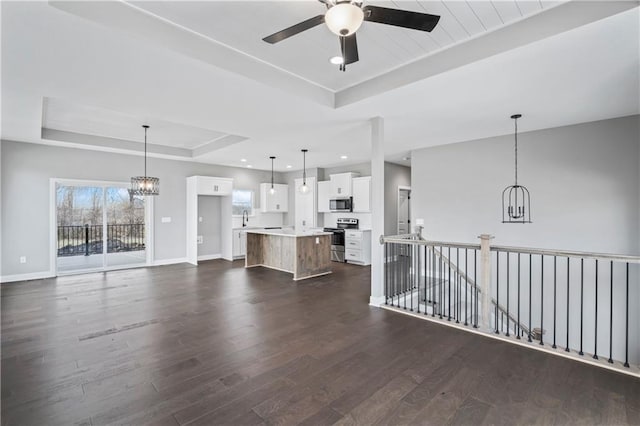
{"x": 336, "y": 60}
{"x": 344, "y": 18}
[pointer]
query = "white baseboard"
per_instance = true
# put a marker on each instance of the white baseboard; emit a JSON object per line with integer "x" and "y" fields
{"x": 376, "y": 301}
{"x": 161, "y": 262}
{"x": 209, "y": 257}
{"x": 27, "y": 277}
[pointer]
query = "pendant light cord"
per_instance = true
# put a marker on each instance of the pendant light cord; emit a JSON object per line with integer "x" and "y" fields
{"x": 145, "y": 151}
{"x": 516, "y": 150}
{"x": 304, "y": 167}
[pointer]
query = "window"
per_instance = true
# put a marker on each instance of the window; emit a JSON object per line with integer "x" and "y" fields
{"x": 242, "y": 199}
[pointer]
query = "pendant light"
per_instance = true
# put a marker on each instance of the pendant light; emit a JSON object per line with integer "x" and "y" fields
{"x": 516, "y": 202}
{"x": 304, "y": 188}
{"x": 272, "y": 191}
{"x": 144, "y": 185}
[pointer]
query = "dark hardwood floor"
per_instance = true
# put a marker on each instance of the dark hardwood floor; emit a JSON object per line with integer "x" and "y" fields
{"x": 219, "y": 344}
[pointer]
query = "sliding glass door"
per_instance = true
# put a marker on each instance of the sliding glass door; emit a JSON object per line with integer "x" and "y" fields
{"x": 99, "y": 227}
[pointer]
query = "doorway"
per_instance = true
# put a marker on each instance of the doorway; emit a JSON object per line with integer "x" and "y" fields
{"x": 98, "y": 227}
{"x": 404, "y": 210}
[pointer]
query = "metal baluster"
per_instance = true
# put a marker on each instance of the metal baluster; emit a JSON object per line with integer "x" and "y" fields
{"x": 508, "y": 278}
{"x": 433, "y": 281}
{"x": 518, "y": 326}
{"x": 581, "y": 303}
{"x": 440, "y": 282}
{"x": 466, "y": 284}
{"x": 568, "y": 281}
{"x": 626, "y": 329}
{"x": 610, "y": 360}
{"x": 459, "y": 282}
{"x": 475, "y": 280}
{"x": 449, "y": 283}
{"x": 411, "y": 277}
{"x": 497, "y": 289}
{"x": 530, "y": 275}
{"x": 595, "y": 323}
{"x": 555, "y": 279}
{"x": 386, "y": 275}
{"x": 405, "y": 272}
{"x": 541, "y": 299}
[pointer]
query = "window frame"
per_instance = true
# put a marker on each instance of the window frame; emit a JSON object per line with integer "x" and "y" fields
{"x": 253, "y": 202}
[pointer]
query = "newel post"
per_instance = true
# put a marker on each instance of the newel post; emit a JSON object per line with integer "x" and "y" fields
{"x": 485, "y": 280}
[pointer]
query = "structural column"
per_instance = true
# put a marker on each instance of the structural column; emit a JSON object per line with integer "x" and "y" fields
{"x": 485, "y": 281}
{"x": 377, "y": 211}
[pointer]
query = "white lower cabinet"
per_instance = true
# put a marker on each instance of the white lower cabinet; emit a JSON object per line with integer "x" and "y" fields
{"x": 357, "y": 245}
{"x": 239, "y": 243}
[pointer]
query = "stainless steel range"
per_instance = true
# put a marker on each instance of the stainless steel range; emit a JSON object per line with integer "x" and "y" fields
{"x": 337, "y": 241}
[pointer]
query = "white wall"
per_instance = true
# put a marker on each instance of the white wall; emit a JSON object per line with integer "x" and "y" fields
{"x": 27, "y": 168}
{"x": 584, "y": 182}
{"x": 210, "y": 226}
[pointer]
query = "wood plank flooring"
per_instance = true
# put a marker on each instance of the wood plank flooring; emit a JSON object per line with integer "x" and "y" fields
{"x": 220, "y": 344}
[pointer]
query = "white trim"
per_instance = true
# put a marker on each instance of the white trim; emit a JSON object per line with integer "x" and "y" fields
{"x": 209, "y": 257}
{"x": 26, "y": 277}
{"x": 602, "y": 363}
{"x": 376, "y": 301}
{"x": 53, "y": 228}
{"x": 162, "y": 262}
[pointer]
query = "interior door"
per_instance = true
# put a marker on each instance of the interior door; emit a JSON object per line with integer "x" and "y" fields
{"x": 404, "y": 200}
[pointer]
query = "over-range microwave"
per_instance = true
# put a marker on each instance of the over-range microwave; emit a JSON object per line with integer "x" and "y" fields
{"x": 344, "y": 204}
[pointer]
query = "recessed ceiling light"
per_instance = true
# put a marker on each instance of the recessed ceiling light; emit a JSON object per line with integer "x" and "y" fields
{"x": 406, "y": 158}
{"x": 249, "y": 166}
{"x": 289, "y": 166}
{"x": 336, "y": 60}
{"x": 244, "y": 160}
{"x": 343, "y": 157}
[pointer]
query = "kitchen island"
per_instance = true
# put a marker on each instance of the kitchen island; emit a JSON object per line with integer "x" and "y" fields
{"x": 304, "y": 254}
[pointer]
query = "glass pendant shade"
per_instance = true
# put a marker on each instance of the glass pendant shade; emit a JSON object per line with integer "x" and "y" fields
{"x": 344, "y": 19}
{"x": 144, "y": 185}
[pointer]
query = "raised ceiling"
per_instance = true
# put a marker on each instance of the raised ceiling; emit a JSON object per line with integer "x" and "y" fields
{"x": 573, "y": 63}
{"x": 382, "y": 48}
{"x": 68, "y": 116}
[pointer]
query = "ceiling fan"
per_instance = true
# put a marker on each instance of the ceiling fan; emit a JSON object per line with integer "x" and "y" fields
{"x": 344, "y": 17}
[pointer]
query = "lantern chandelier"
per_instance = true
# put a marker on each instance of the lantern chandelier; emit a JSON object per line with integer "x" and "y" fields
{"x": 144, "y": 185}
{"x": 516, "y": 201}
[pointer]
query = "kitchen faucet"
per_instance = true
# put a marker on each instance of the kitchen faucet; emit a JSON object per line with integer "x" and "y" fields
{"x": 245, "y": 214}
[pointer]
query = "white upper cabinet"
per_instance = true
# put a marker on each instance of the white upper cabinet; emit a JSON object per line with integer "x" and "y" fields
{"x": 213, "y": 185}
{"x": 341, "y": 184}
{"x": 361, "y": 194}
{"x": 324, "y": 195}
{"x": 274, "y": 203}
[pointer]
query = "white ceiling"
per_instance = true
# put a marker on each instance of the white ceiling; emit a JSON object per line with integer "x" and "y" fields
{"x": 68, "y": 116}
{"x": 564, "y": 77}
{"x": 242, "y": 25}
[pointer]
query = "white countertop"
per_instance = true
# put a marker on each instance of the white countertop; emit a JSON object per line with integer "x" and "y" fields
{"x": 286, "y": 232}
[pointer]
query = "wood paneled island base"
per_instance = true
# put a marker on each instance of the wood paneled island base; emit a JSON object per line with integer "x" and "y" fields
{"x": 304, "y": 255}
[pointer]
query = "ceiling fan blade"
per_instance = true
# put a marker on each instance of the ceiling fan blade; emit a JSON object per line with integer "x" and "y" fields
{"x": 349, "y": 49}
{"x": 400, "y": 18}
{"x": 295, "y": 29}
